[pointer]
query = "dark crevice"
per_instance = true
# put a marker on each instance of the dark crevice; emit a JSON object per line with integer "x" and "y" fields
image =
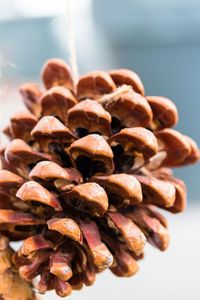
{"x": 81, "y": 132}
{"x": 27, "y": 228}
{"x": 123, "y": 162}
{"x": 115, "y": 199}
{"x": 88, "y": 167}
{"x": 59, "y": 150}
{"x": 103, "y": 225}
{"x": 116, "y": 125}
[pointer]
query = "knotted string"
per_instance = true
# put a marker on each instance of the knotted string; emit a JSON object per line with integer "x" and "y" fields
{"x": 107, "y": 98}
{"x": 71, "y": 46}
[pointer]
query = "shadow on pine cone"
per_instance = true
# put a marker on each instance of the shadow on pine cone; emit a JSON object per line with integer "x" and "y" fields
{"x": 82, "y": 176}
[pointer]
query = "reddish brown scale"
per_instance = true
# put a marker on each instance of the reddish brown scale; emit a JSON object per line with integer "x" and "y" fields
{"x": 156, "y": 191}
{"x": 94, "y": 85}
{"x": 132, "y": 235}
{"x": 8, "y": 132}
{"x": 22, "y": 123}
{"x": 46, "y": 282}
{"x": 19, "y": 260}
{"x": 180, "y": 197}
{"x": 92, "y": 155}
{"x": 63, "y": 289}
{"x": 56, "y": 72}
{"x": 4, "y": 163}
{"x": 56, "y": 102}
{"x": 49, "y": 173}
{"x": 35, "y": 243}
{"x": 28, "y": 272}
{"x": 31, "y": 94}
{"x": 89, "y": 270}
{"x": 88, "y": 197}
{"x": 155, "y": 232}
{"x": 9, "y": 182}
{"x": 194, "y": 155}
{"x": 89, "y": 116}
{"x": 176, "y": 146}
{"x": 165, "y": 114}
{"x": 50, "y": 129}
{"x": 137, "y": 139}
{"x": 33, "y": 191}
{"x": 122, "y": 189}
{"x": 154, "y": 213}
{"x": 18, "y": 225}
{"x": 138, "y": 146}
{"x": 100, "y": 253}
{"x": 19, "y": 156}
{"x": 125, "y": 76}
{"x": 66, "y": 227}
{"x": 129, "y": 110}
{"x": 59, "y": 265}
{"x": 125, "y": 265}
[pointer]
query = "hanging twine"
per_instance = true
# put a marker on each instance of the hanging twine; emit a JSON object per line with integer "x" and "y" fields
{"x": 71, "y": 46}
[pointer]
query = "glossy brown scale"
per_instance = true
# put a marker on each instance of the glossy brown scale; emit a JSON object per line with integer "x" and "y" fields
{"x": 92, "y": 155}
{"x": 101, "y": 255}
{"x": 129, "y": 109}
{"x": 122, "y": 189}
{"x": 31, "y": 94}
{"x": 125, "y": 76}
{"x": 43, "y": 202}
{"x": 87, "y": 117}
{"x": 22, "y": 123}
{"x": 56, "y": 72}
{"x": 18, "y": 225}
{"x": 94, "y": 203}
{"x": 94, "y": 84}
{"x": 157, "y": 191}
{"x": 19, "y": 157}
{"x": 165, "y": 113}
{"x": 176, "y": 146}
{"x": 50, "y": 173}
{"x": 155, "y": 232}
{"x": 56, "y": 102}
{"x": 132, "y": 148}
{"x": 54, "y": 138}
{"x": 125, "y": 265}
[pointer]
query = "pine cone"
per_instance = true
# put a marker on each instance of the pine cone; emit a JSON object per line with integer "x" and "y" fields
{"x": 82, "y": 176}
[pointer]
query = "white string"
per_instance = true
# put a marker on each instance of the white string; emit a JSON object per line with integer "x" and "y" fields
{"x": 71, "y": 46}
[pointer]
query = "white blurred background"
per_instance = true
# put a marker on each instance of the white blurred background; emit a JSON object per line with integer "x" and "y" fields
{"x": 158, "y": 39}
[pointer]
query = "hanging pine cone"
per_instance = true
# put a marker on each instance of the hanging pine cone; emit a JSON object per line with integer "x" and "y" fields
{"x": 82, "y": 176}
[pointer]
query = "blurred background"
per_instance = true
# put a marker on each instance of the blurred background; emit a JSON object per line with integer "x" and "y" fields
{"x": 158, "y": 39}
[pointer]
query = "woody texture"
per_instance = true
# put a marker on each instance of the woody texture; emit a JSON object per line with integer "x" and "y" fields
{"x": 83, "y": 173}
